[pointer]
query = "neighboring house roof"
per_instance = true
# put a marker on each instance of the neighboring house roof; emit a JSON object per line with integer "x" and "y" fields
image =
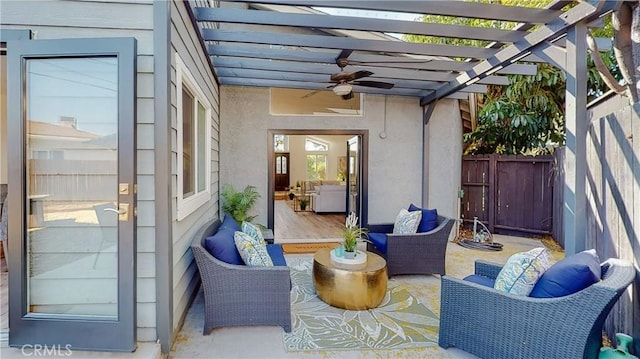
{"x": 47, "y": 129}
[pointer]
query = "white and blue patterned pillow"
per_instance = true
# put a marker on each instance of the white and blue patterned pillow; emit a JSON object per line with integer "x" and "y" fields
{"x": 253, "y": 253}
{"x": 522, "y": 271}
{"x": 252, "y": 230}
{"x": 407, "y": 222}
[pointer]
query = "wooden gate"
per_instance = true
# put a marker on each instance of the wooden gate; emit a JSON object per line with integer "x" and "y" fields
{"x": 509, "y": 193}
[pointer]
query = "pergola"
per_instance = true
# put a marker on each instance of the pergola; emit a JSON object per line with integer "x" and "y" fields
{"x": 295, "y": 44}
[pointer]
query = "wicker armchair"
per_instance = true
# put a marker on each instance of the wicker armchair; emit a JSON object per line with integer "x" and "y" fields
{"x": 236, "y": 295}
{"x": 493, "y": 324}
{"x": 419, "y": 253}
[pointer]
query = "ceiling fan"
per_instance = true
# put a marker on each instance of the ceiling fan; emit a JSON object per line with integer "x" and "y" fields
{"x": 344, "y": 81}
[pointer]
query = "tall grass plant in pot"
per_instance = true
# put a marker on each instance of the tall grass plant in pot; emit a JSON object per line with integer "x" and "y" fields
{"x": 352, "y": 234}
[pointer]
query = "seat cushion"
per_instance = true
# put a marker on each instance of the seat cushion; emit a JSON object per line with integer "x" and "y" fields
{"x": 253, "y": 253}
{"x": 480, "y": 279}
{"x": 222, "y": 246}
{"x": 568, "y": 276}
{"x": 379, "y": 240}
{"x": 429, "y": 220}
{"x": 407, "y": 222}
{"x": 229, "y": 222}
{"x": 277, "y": 255}
{"x": 522, "y": 270}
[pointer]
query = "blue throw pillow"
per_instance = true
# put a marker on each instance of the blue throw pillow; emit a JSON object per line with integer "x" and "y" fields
{"x": 229, "y": 222}
{"x": 222, "y": 246}
{"x": 429, "y": 219}
{"x": 568, "y": 276}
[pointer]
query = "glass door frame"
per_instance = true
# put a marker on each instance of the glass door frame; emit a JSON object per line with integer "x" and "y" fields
{"x": 358, "y": 171}
{"x": 77, "y": 332}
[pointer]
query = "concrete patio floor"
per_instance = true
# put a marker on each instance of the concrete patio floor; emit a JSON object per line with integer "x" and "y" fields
{"x": 267, "y": 343}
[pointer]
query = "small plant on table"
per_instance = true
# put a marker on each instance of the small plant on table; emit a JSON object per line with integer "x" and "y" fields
{"x": 351, "y": 234}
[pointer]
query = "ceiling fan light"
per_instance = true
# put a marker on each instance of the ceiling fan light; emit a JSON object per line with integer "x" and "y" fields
{"x": 342, "y": 89}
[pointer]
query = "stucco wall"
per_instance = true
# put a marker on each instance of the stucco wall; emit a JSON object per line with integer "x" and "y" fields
{"x": 395, "y": 163}
{"x": 443, "y": 136}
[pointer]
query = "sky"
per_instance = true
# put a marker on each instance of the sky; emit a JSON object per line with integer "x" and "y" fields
{"x": 371, "y": 14}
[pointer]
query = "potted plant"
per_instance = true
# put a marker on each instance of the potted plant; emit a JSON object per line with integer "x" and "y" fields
{"x": 351, "y": 234}
{"x": 237, "y": 204}
{"x": 303, "y": 203}
{"x": 291, "y": 195}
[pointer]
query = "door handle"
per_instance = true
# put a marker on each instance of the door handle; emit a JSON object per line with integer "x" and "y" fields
{"x": 122, "y": 211}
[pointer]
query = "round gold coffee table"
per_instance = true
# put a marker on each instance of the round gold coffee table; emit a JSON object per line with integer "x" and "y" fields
{"x": 350, "y": 287}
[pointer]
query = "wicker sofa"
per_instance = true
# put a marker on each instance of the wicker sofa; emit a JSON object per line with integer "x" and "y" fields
{"x": 237, "y": 295}
{"x": 418, "y": 253}
{"x": 493, "y": 324}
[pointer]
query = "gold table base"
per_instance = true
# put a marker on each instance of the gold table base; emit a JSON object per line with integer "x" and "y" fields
{"x": 350, "y": 287}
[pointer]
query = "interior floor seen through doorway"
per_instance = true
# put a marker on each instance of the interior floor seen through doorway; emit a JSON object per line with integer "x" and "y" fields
{"x": 305, "y": 226}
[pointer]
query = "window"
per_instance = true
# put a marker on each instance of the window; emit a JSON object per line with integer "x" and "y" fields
{"x": 316, "y": 167}
{"x": 280, "y": 143}
{"x": 316, "y": 162}
{"x": 311, "y": 145}
{"x": 320, "y": 102}
{"x": 194, "y": 142}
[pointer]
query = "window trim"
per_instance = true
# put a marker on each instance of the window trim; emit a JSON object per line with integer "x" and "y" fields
{"x": 186, "y": 206}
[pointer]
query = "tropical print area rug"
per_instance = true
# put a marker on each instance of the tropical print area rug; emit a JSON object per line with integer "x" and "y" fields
{"x": 399, "y": 322}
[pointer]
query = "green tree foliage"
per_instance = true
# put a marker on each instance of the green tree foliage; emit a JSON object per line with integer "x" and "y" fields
{"x": 527, "y": 116}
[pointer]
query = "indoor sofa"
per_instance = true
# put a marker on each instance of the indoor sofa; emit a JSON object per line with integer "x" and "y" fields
{"x": 330, "y": 198}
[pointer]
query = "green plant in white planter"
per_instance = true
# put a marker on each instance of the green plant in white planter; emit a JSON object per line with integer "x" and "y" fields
{"x": 351, "y": 234}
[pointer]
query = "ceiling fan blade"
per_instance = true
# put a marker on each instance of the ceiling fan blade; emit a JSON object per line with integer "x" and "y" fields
{"x": 316, "y": 91}
{"x": 344, "y": 54}
{"x": 348, "y": 96}
{"x": 360, "y": 74}
{"x": 377, "y": 84}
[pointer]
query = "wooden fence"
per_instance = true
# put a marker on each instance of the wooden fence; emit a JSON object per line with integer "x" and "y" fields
{"x": 613, "y": 199}
{"x": 509, "y": 193}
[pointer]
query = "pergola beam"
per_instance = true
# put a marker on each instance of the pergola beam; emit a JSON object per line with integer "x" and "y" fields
{"x": 445, "y": 8}
{"x": 272, "y": 18}
{"x": 575, "y": 163}
{"x": 383, "y": 73}
{"x": 315, "y": 77}
{"x": 338, "y": 43}
{"x": 314, "y": 86}
{"x": 328, "y": 57}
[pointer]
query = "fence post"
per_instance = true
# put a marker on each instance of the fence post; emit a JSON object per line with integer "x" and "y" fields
{"x": 492, "y": 201}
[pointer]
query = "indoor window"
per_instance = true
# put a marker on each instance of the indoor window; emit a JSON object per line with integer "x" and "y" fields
{"x": 316, "y": 162}
{"x": 194, "y": 136}
{"x": 316, "y": 167}
{"x": 280, "y": 143}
